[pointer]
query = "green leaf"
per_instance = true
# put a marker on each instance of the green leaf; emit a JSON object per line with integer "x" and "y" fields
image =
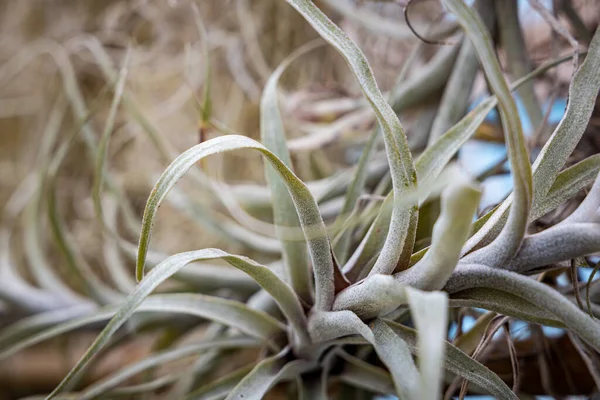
{"x": 110, "y": 382}
{"x": 583, "y": 91}
{"x": 308, "y": 211}
{"x": 266, "y": 374}
{"x": 429, "y": 311}
{"x": 328, "y": 325}
{"x": 459, "y": 204}
{"x": 272, "y": 134}
{"x": 220, "y": 387}
{"x": 504, "y": 303}
{"x": 568, "y": 183}
{"x": 280, "y": 291}
{"x": 376, "y": 295}
{"x": 460, "y": 364}
{"x": 30, "y": 325}
{"x": 399, "y": 157}
{"x": 395, "y": 354}
{"x": 361, "y": 374}
{"x": 431, "y": 162}
{"x": 229, "y": 312}
{"x": 511, "y": 236}
{"x": 537, "y": 293}
{"x": 101, "y": 154}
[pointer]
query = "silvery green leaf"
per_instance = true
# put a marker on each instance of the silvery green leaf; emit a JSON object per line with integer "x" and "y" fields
{"x": 567, "y": 184}
{"x": 582, "y": 98}
{"x": 536, "y": 293}
{"x": 328, "y": 325}
{"x": 429, "y": 311}
{"x": 219, "y": 388}
{"x": 509, "y": 240}
{"x": 460, "y": 364}
{"x": 561, "y": 242}
{"x": 359, "y": 373}
{"x": 399, "y": 156}
{"x": 435, "y": 157}
{"x": 284, "y": 212}
{"x": 266, "y": 374}
{"x": 228, "y": 312}
{"x": 101, "y": 387}
{"x": 459, "y": 203}
{"x": 396, "y": 356}
{"x": 374, "y": 296}
{"x": 280, "y": 291}
{"x": 504, "y": 303}
{"x": 308, "y": 211}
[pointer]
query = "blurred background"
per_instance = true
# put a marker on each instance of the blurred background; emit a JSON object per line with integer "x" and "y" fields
{"x": 59, "y": 61}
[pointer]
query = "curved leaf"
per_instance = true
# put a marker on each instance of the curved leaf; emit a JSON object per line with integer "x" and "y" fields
{"x": 461, "y": 364}
{"x": 229, "y": 312}
{"x": 308, "y": 211}
{"x": 272, "y": 134}
{"x": 429, "y": 311}
{"x": 459, "y": 204}
{"x": 280, "y": 291}
{"x": 509, "y": 240}
{"x": 403, "y": 173}
{"x": 106, "y": 384}
{"x": 266, "y": 374}
{"x": 538, "y": 294}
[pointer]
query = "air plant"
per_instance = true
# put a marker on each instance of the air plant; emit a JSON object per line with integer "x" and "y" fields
{"x": 358, "y": 302}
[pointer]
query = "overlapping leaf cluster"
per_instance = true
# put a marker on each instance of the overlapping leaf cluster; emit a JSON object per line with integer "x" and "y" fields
{"x": 338, "y": 292}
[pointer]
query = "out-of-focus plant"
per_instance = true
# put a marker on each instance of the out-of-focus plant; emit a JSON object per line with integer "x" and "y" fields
{"x": 335, "y": 307}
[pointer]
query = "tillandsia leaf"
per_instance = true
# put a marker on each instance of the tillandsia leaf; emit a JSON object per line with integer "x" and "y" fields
{"x": 308, "y": 211}
{"x": 513, "y": 44}
{"x": 504, "y": 303}
{"x": 328, "y": 325}
{"x": 588, "y": 210}
{"x": 568, "y": 183}
{"x": 458, "y": 87}
{"x": 356, "y": 187}
{"x": 272, "y": 134}
{"x": 342, "y": 247}
{"x": 395, "y": 354}
{"x": 151, "y": 386}
{"x": 374, "y": 296}
{"x": 399, "y": 157}
{"x": 224, "y": 311}
{"x": 41, "y": 270}
{"x": 583, "y": 91}
{"x": 110, "y": 382}
{"x": 538, "y": 294}
{"x": 102, "y": 152}
{"x": 266, "y": 374}
{"x": 509, "y": 239}
{"x": 219, "y": 388}
{"x": 459, "y": 204}
{"x": 561, "y": 242}
{"x": 222, "y": 224}
{"x": 436, "y": 156}
{"x": 460, "y": 364}
{"x": 429, "y": 311}
{"x": 26, "y": 327}
{"x": 281, "y": 292}
{"x": 361, "y": 374}
{"x": 78, "y": 266}
{"x": 428, "y": 81}
{"x": 360, "y": 263}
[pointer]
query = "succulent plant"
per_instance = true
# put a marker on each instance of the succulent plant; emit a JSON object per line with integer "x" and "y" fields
{"x": 341, "y": 292}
